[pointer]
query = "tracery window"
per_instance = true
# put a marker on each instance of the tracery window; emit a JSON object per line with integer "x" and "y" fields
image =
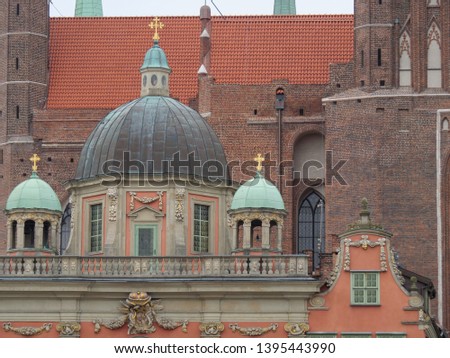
{"x": 311, "y": 226}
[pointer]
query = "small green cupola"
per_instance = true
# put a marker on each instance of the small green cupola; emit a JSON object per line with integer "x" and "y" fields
{"x": 258, "y": 193}
{"x": 155, "y": 70}
{"x": 33, "y": 193}
{"x": 257, "y": 212}
{"x": 33, "y": 211}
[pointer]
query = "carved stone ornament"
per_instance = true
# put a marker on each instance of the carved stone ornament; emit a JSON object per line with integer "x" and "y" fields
{"x": 365, "y": 243}
{"x": 416, "y": 301}
{"x": 73, "y": 209}
{"x": 112, "y": 195}
{"x": 253, "y": 331}
{"x": 395, "y": 269}
{"x": 317, "y": 302}
{"x": 147, "y": 200}
{"x": 140, "y": 313}
{"x": 179, "y": 204}
{"x": 212, "y": 329}
{"x": 335, "y": 273}
{"x": 296, "y": 329}
{"x": 27, "y": 331}
{"x": 229, "y": 200}
{"x": 68, "y": 329}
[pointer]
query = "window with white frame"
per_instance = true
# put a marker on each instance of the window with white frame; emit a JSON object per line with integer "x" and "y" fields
{"x": 201, "y": 228}
{"x": 365, "y": 288}
{"x": 96, "y": 227}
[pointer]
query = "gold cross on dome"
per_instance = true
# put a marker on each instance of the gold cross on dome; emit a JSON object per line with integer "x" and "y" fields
{"x": 259, "y": 159}
{"x": 156, "y": 24}
{"x": 35, "y": 159}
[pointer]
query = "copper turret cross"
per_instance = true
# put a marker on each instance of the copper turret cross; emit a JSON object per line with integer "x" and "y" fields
{"x": 156, "y": 24}
{"x": 35, "y": 159}
{"x": 259, "y": 159}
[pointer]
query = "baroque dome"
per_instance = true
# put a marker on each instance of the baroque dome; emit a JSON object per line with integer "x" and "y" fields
{"x": 257, "y": 193}
{"x": 33, "y": 193}
{"x": 145, "y": 135}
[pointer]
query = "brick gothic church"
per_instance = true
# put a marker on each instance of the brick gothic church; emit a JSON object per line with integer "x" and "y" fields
{"x": 351, "y": 106}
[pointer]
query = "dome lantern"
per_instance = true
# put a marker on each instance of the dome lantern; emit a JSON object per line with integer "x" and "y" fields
{"x": 155, "y": 70}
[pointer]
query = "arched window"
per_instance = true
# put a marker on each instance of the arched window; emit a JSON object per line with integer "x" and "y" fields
{"x": 445, "y": 124}
{"x": 311, "y": 226}
{"x": 65, "y": 228}
{"x": 309, "y": 160}
{"x": 29, "y": 234}
{"x": 14, "y": 235}
{"x": 256, "y": 234}
{"x": 46, "y": 235}
{"x": 405, "y": 60}
{"x": 434, "y": 57}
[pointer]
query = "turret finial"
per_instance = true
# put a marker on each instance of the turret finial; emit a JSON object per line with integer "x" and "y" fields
{"x": 156, "y": 24}
{"x": 259, "y": 159}
{"x": 35, "y": 159}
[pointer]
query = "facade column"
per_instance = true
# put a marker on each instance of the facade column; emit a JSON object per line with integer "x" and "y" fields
{"x": 247, "y": 234}
{"x": 9, "y": 236}
{"x": 235, "y": 236}
{"x": 53, "y": 239}
{"x": 279, "y": 237}
{"x": 20, "y": 234}
{"x": 265, "y": 234}
{"x": 38, "y": 234}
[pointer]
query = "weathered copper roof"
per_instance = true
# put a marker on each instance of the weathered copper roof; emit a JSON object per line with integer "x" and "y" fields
{"x": 150, "y": 132}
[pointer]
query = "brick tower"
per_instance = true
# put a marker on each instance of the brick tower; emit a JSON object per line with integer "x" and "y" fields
{"x": 24, "y": 30}
{"x": 396, "y": 119}
{"x": 375, "y": 25}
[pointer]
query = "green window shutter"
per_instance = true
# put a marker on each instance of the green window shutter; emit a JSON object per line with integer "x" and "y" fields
{"x": 96, "y": 227}
{"x": 201, "y": 228}
{"x": 146, "y": 240}
{"x": 365, "y": 288}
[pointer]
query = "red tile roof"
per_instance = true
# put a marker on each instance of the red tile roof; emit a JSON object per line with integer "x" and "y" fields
{"x": 95, "y": 62}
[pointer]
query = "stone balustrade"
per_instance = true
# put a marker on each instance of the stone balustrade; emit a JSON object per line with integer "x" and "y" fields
{"x": 154, "y": 267}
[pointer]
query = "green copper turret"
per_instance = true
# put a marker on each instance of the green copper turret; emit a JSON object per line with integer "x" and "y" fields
{"x": 89, "y": 8}
{"x": 284, "y": 7}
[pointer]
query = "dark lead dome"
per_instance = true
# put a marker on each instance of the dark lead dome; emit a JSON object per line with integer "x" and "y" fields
{"x": 153, "y": 135}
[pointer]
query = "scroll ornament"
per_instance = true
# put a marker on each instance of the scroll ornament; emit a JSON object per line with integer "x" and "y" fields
{"x": 253, "y": 331}
{"x": 27, "y": 331}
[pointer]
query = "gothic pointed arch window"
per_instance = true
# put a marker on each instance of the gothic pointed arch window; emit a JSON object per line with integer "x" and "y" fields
{"x": 311, "y": 226}
{"x": 434, "y": 64}
{"x": 405, "y": 60}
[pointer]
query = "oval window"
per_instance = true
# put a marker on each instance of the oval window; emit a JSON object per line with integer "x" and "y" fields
{"x": 144, "y": 81}
{"x": 154, "y": 80}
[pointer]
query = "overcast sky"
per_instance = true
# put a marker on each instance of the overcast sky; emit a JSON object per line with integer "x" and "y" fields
{"x": 191, "y": 7}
